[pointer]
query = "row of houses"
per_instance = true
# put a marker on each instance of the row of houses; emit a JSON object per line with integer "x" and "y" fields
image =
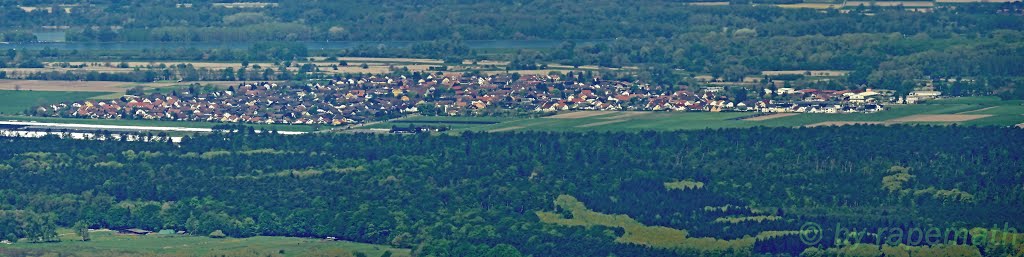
{"x": 356, "y": 100}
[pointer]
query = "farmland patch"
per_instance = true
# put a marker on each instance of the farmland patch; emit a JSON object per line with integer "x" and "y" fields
{"x": 505, "y": 129}
{"x": 577, "y": 115}
{"x": 939, "y": 118}
{"x": 601, "y": 123}
{"x": 770, "y": 116}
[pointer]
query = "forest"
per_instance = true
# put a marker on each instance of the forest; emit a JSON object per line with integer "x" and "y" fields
{"x": 477, "y": 194}
{"x": 364, "y": 20}
{"x": 883, "y": 47}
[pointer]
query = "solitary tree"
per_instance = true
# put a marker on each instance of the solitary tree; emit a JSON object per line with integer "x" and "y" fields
{"x": 82, "y": 229}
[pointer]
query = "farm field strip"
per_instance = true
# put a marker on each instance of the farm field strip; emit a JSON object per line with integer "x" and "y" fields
{"x": 505, "y": 129}
{"x": 1001, "y": 114}
{"x": 601, "y": 123}
{"x": 939, "y": 118}
{"x": 624, "y": 115}
{"x": 578, "y": 114}
{"x": 770, "y": 116}
{"x": 978, "y": 110}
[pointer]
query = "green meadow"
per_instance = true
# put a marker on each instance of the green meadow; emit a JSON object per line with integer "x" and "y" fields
{"x": 109, "y": 243}
{"x": 1002, "y": 113}
{"x": 635, "y": 232}
{"x": 14, "y": 102}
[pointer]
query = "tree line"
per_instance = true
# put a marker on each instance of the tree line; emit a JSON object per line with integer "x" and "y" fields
{"x": 486, "y": 20}
{"x": 474, "y": 193}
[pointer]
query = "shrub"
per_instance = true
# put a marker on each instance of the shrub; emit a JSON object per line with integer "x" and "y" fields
{"x": 217, "y": 234}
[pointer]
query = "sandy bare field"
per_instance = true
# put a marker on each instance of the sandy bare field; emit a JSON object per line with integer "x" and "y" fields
{"x": 939, "y": 118}
{"x": 771, "y": 116}
{"x": 49, "y": 85}
{"x": 577, "y": 114}
{"x": 601, "y": 123}
{"x": 505, "y": 129}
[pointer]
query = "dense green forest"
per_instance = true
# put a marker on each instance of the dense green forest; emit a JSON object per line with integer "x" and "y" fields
{"x": 884, "y": 47}
{"x": 481, "y": 194}
{"x": 495, "y": 19}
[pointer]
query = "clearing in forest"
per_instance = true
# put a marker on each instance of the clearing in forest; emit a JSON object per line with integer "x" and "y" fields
{"x": 684, "y": 185}
{"x": 638, "y": 233}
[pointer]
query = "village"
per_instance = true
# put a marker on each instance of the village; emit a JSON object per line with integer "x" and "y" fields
{"x": 358, "y": 100}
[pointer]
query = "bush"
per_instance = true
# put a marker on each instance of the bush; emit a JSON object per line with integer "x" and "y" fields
{"x": 218, "y": 234}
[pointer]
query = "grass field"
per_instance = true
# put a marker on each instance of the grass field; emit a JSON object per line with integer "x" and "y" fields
{"x": 453, "y": 122}
{"x": 618, "y": 121}
{"x": 638, "y": 233}
{"x": 108, "y": 243}
{"x": 967, "y": 111}
{"x": 980, "y": 100}
{"x": 13, "y": 102}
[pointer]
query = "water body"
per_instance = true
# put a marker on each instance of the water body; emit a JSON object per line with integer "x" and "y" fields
{"x": 315, "y": 45}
